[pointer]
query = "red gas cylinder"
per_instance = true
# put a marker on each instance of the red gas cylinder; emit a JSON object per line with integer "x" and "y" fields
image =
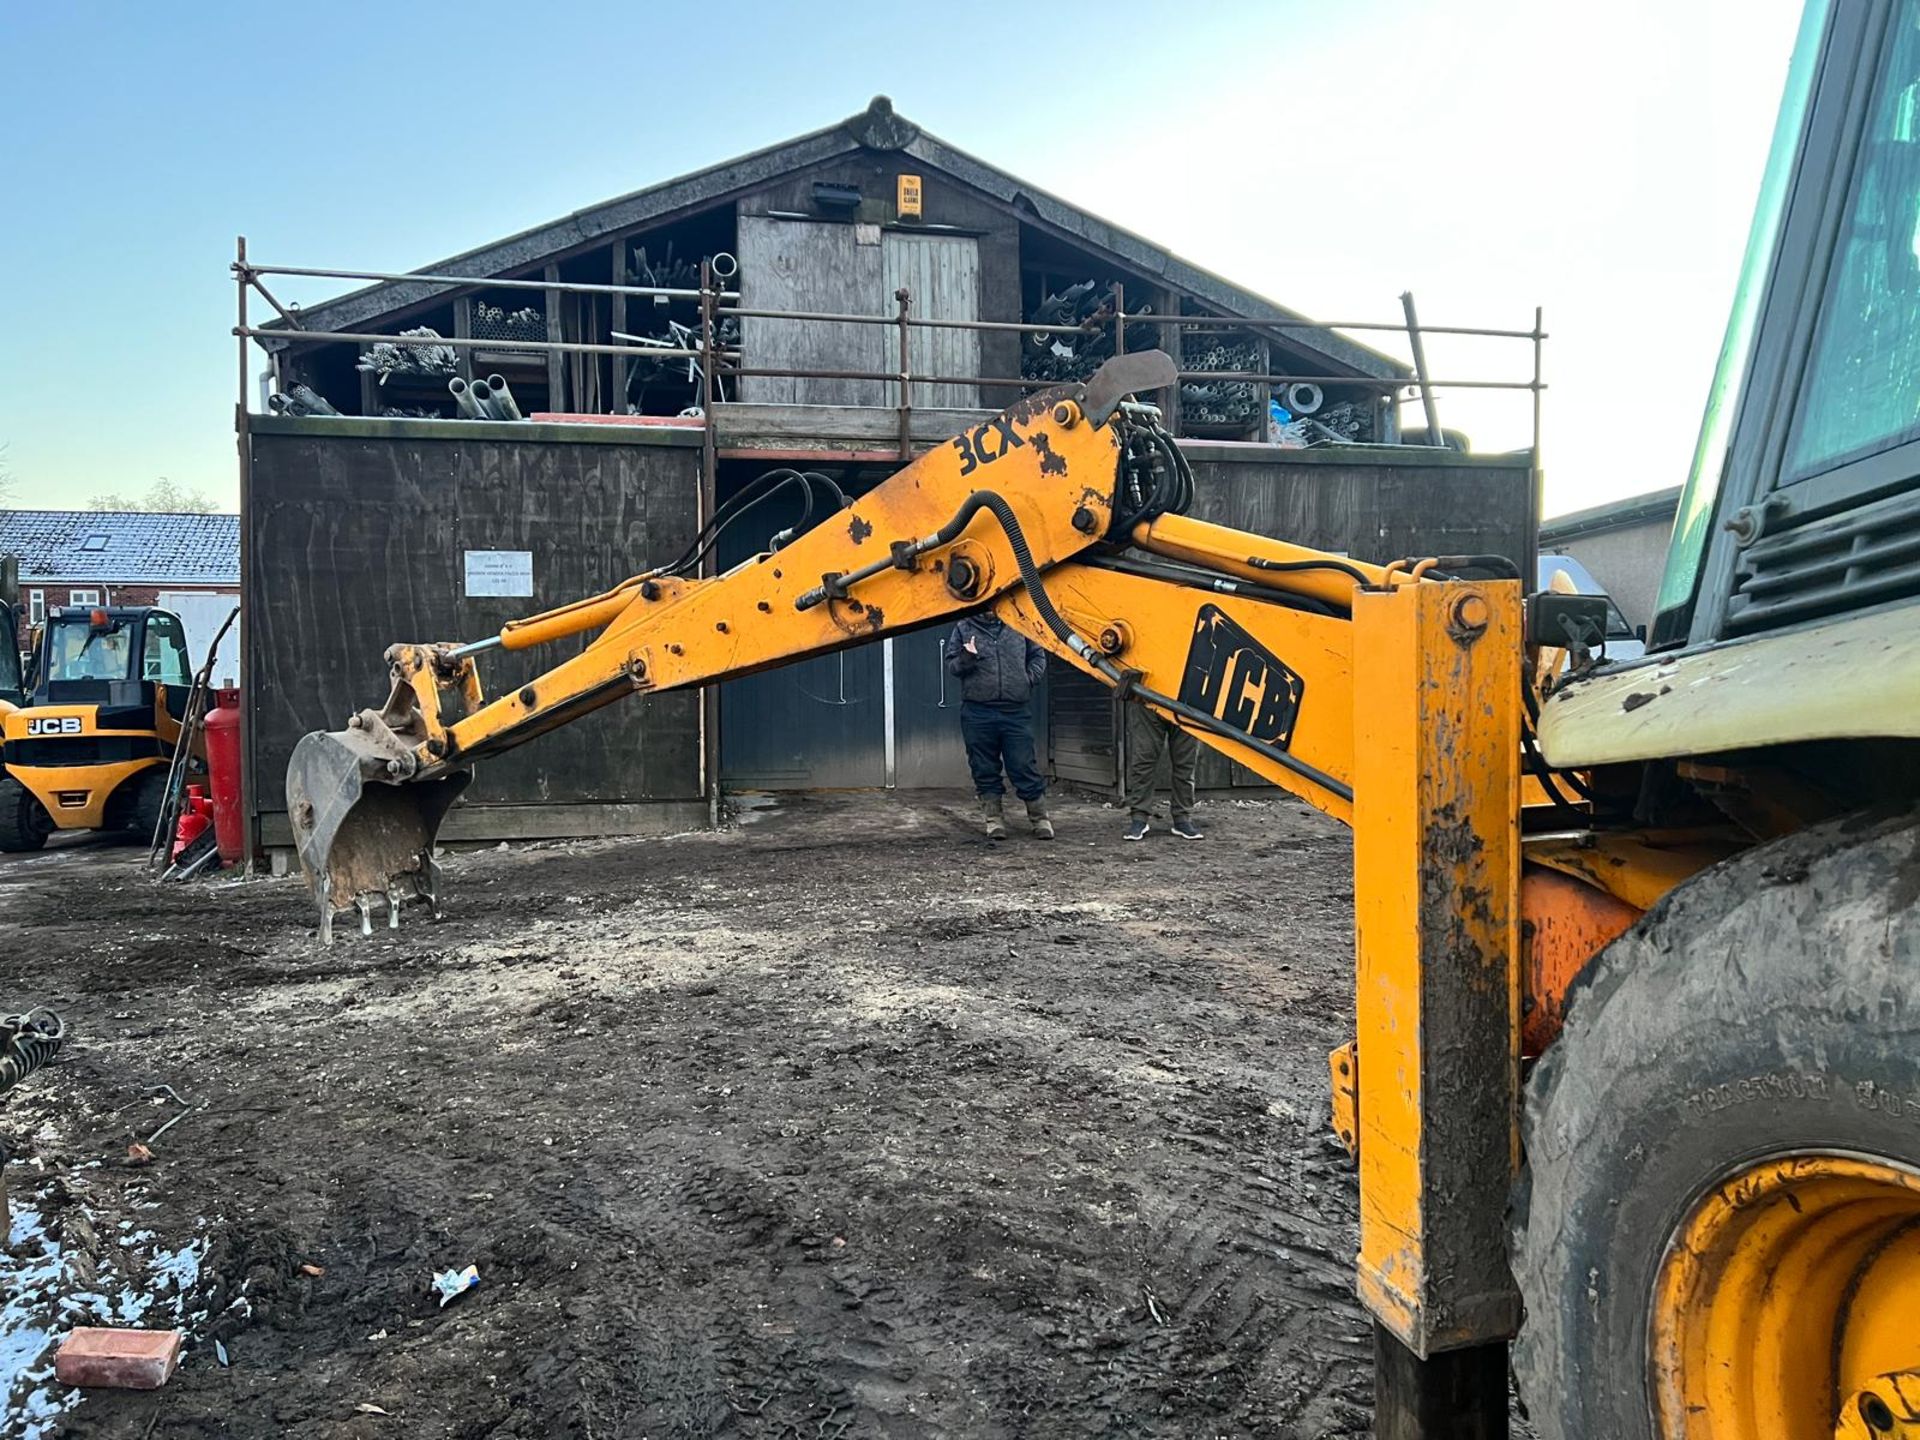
{"x": 195, "y": 815}
{"x": 223, "y": 773}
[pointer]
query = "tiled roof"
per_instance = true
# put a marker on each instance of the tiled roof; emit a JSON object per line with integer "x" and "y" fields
{"x": 123, "y": 547}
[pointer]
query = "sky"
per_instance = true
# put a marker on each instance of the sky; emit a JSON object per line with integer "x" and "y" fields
{"x": 1599, "y": 161}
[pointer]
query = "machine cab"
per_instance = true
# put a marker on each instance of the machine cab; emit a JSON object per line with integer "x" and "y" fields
{"x": 1804, "y": 497}
{"x": 12, "y": 691}
{"x": 113, "y": 657}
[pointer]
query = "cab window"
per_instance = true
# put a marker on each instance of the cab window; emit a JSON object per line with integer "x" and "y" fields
{"x": 1862, "y": 389}
{"x": 79, "y": 650}
{"x": 165, "y": 657}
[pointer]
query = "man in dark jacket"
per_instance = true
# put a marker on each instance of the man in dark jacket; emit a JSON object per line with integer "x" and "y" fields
{"x": 998, "y": 668}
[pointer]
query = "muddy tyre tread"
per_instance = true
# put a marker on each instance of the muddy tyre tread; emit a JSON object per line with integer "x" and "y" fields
{"x": 19, "y": 833}
{"x": 149, "y": 801}
{"x": 1772, "y": 1004}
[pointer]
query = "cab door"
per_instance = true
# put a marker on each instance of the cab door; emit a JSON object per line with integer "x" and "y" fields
{"x": 1812, "y": 508}
{"x": 164, "y": 663}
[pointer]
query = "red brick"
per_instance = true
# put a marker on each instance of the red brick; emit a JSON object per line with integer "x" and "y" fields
{"x": 120, "y": 1359}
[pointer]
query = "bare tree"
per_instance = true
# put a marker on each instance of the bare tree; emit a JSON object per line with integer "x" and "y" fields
{"x": 161, "y": 496}
{"x": 7, "y": 478}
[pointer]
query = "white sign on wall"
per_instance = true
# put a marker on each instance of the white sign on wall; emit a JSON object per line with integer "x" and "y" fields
{"x": 500, "y": 572}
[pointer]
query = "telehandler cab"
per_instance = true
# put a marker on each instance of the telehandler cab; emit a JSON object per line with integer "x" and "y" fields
{"x": 1636, "y": 1076}
{"x": 89, "y": 748}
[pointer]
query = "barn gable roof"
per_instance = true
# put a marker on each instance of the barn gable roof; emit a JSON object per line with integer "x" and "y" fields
{"x": 876, "y": 128}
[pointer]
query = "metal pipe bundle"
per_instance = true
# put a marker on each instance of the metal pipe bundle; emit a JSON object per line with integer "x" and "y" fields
{"x": 503, "y": 401}
{"x": 463, "y": 397}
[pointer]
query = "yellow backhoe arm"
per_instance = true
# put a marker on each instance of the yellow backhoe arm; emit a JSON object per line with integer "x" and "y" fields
{"x": 1389, "y": 702}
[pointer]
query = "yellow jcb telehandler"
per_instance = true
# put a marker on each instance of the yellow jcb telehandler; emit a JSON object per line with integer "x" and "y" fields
{"x": 89, "y": 749}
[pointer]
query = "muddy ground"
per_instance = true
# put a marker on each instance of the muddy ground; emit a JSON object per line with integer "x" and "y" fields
{"x": 839, "y": 1123}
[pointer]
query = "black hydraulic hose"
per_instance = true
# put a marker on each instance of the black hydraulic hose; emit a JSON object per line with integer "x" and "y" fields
{"x": 996, "y": 505}
{"x": 1500, "y": 565}
{"x": 1294, "y": 567}
{"x": 1203, "y": 580}
{"x": 774, "y": 482}
{"x": 1547, "y": 773}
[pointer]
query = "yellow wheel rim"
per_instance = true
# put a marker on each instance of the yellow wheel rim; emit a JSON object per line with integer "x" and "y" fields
{"x": 1789, "y": 1291}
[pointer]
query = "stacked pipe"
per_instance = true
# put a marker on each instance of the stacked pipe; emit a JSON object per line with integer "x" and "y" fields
{"x": 493, "y": 322}
{"x": 1063, "y": 357}
{"x": 299, "y": 401}
{"x": 487, "y": 399}
{"x": 665, "y": 273}
{"x": 1215, "y": 402}
{"x": 387, "y": 358}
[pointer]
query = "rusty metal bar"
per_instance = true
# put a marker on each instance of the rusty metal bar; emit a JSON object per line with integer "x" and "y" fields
{"x": 919, "y": 322}
{"x": 709, "y": 464}
{"x": 575, "y": 287}
{"x": 904, "y": 299}
{"x": 538, "y": 347}
{"x": 1370, "y": 381}
{"x": 243, "y": 437}
{"x": 708, "y": 506}
{"x": 250, "y": 277}
{"x": 1420, "y": 370}
{"x": 1243, "y": 322}
{"x": 1538, "y": 479}
{"x": 1367, "y": 381}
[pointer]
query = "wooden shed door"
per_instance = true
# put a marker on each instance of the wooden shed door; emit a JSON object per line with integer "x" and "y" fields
{"x": 814, "y": 266}
{"x": 942, "y": 274}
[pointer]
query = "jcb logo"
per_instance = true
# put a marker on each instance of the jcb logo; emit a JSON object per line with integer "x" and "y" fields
{"x": 54, "y": 725}
{"x": 1233, "y": 677}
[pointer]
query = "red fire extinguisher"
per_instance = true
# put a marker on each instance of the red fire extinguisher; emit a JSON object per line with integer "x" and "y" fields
{"x": 195, "y": 815}
{"x": 223, "y": 773}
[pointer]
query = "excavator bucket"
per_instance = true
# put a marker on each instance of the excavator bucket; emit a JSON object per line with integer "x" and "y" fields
{"x": 360, "y": 829}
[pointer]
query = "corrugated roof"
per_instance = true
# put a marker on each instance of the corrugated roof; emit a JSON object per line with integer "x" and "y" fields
{"x": 123, "y": 547}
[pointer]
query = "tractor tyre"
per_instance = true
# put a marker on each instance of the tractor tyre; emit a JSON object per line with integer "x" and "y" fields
{"x": 149, "y": 803}
{"x": 24, "y": 822}
{"x": 1727, "y": 1134}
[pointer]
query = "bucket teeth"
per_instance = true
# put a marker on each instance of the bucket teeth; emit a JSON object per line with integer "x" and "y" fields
{"x": 364, "y": 826}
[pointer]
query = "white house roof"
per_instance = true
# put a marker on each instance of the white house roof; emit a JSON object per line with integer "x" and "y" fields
{"x": 122, "y": 547}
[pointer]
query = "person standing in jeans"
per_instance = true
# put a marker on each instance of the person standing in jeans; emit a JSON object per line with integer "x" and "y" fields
{"x": 1149, "y": 735}
{"x": 998, "y": 668}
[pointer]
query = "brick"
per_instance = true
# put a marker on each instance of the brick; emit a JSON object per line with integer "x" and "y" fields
{"x": 118, "y": 1359}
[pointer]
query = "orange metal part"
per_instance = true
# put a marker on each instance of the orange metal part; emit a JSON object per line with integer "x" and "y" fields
{"x": 1564, "y": 923}
{"x": 1436, "y": 858}
{"x": 1343, "y": 1074}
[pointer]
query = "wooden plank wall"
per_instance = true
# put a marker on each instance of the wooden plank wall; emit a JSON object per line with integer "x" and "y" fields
{"x": 1375, "y": 504}
{"x": 941, "y": 274}
{"x": 818, "y": 267}
{"x": 356, "y": 539}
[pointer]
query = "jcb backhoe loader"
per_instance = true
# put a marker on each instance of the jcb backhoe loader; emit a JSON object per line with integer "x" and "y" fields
{"x": 89, "y": 748}
{"x": 1637, "y": 947}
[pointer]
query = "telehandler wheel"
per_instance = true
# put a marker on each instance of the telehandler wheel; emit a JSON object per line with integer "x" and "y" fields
{"x": 24, "y": 822}
{"x": 1719, "y": 1233}
{"x": 149, "y": 800}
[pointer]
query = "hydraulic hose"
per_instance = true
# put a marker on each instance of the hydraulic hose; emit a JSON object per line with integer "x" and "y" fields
{"x": 1126, "y": 684}
{"x": 774, "y": 482}
{"x": 1201, "y": 580}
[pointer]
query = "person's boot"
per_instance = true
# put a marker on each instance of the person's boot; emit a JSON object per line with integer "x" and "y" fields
{"x": 990, "y": 811}
{"x": 1042, "y": 822}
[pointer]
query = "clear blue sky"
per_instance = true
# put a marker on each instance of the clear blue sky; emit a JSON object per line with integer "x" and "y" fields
{"x": 1489, "y": 154}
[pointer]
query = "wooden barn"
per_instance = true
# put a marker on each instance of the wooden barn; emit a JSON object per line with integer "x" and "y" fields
{"x": 667, "y": 347}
